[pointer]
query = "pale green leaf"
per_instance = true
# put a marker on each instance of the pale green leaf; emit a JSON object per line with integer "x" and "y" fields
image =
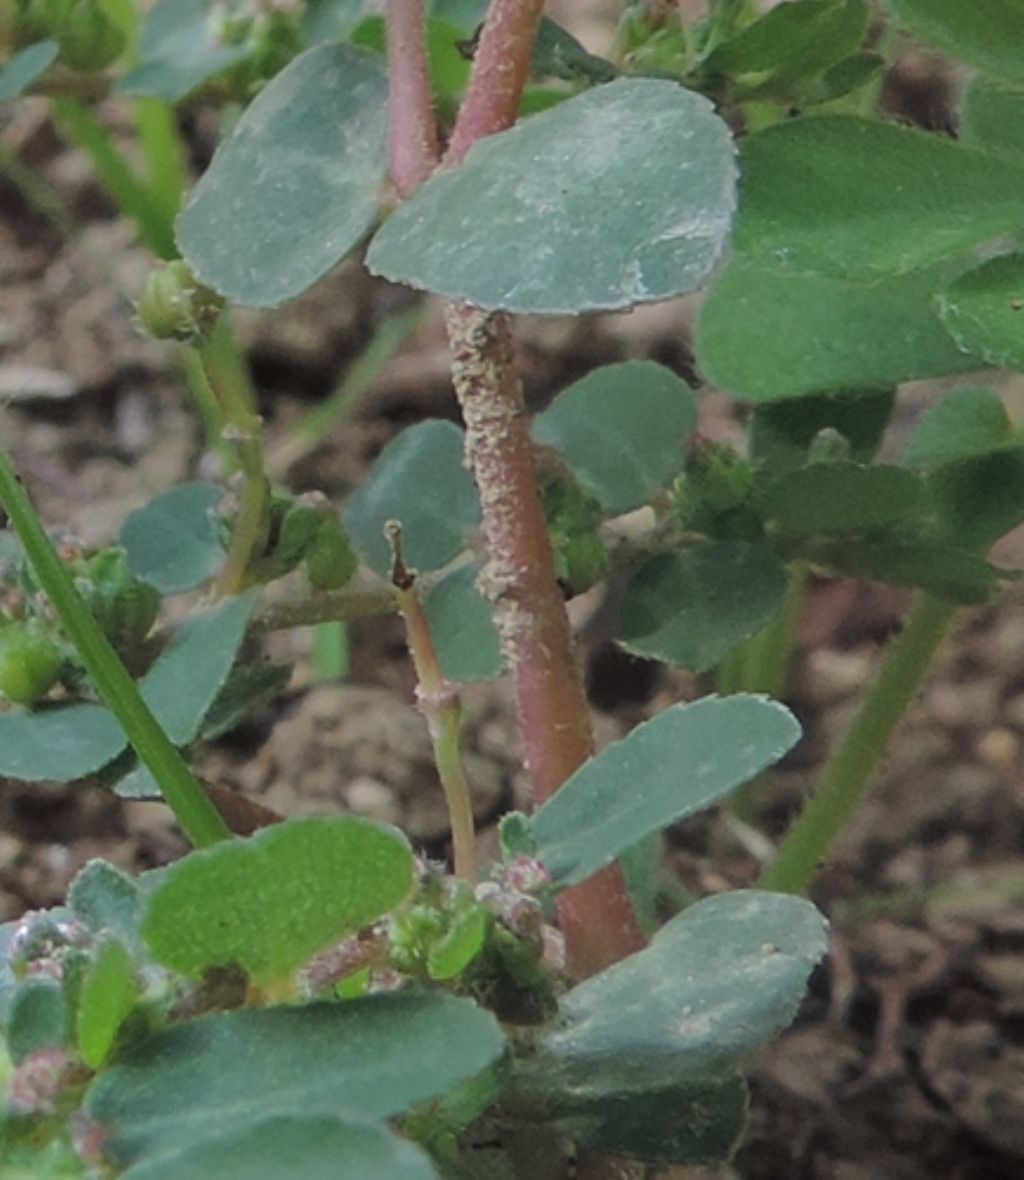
{"x": 108, "y": 994}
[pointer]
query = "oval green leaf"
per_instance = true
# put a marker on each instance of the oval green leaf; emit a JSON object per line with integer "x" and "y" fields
{"x": 620, "y": 195}
{"x": 693, "y": 608}
{"x": 295, "y": 186}
{"x": 107, "y": 995}
{"x": 18, "y": 74}
{"x": 984, "y": 311}
{"x": 268, "y": 903}
{"x": 682, "y": 761}
{"x": 370, "y": 1058}
{"x": 621, "y": 429}
{"x": 59, "y": 745}
{"x": 172, "y": 543}
{"x": 965, "y": 422}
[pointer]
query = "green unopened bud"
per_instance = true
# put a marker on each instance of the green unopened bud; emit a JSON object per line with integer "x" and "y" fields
{"x": 30, "y": 662}
{"x": 39, "y": 19}
{"x": 176, "y": 306}
{"x": 713, "y": 497}
{"x": 332, "y": 560}
{"x": 88, "y": 38}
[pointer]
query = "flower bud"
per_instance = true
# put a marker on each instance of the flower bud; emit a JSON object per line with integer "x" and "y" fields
{"x": 88, "y": 38}
{"x": 30, "y": 662}
{"x": 176, "y": 306}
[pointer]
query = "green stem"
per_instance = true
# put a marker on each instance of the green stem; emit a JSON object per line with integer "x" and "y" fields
{"x": 197, "y": 815}
{"x": 767, "y": 657}
{"x": 166, "y": 171}
{"x": 848, "y": 774}
{"x": 323, "y": 607}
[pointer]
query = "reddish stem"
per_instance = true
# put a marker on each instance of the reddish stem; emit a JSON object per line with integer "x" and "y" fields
{"x": 412, "y": 124}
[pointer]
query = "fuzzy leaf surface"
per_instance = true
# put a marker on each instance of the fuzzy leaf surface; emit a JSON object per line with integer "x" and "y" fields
{"x": 682, "y": 761}
{"x": 295, "y": 186}
{"x": 106, "y": 899}
{"x": 621, "y": 429}
{"x": 620, "y": 195}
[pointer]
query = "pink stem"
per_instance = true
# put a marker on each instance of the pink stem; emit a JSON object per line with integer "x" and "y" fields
{"x": 413, "y": 148}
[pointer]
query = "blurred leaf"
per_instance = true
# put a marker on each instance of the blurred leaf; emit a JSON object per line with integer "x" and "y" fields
{"x": 844, "y": 78}
{"x": 453, "y": 953}
{"x": 621, "y": 429}
{"x": 295, "y": 186}
{"x": 190, "y": 672}
{"x": 781, "y": 433}
{"x": 108, "y": 994}
{"x": 948, "y": 572}
{"x": 178, "y": 51}
{"x": 625, "y": 193}
{"x": 987, "y": 36}
{"x": 107, "y": 901}
{"x": 420, "y": 480}
{"x": 283, "y": 1147}
{"x": 992, "y": 117}
{"x": 857, "y": 198}
{"x": 965, "y": 422}
{"x": 983, "y": 311}
{"x": 682, "y": 761}
{"x": 835, "y": 498}
{"x": 371, "y": 1058}
{"x": 693, "y": 608}
{"x": 979, "y": 499}
{"x": 19, "y": 72}
{"x": 248, "y": 687}
{"x": 717, "y": 981}
{"x": 462, "y": 624}
{"x": 58, "y": 744}
{"x": 37, "y": 1017}
{"x": 267, "y": 903}
{"x": 766, "y": 333}
{"x": 172, "y": 543}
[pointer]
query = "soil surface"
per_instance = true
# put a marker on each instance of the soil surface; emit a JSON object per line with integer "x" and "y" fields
{"x": 908, "y": 1059}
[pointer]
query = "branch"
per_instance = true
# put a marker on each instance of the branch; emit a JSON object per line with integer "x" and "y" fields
{"x": 413, "y": 149}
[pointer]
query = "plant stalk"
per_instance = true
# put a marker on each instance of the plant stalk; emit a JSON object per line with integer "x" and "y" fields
{"x": 848, "y": 774}
{"x": 412, "y": 122}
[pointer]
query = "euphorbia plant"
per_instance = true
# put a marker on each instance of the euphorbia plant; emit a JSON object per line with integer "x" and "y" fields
{"x": 291, "y": 1000}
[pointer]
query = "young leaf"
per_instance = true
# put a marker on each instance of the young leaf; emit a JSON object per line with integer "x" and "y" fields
{"x": 191, "y": 671}
{"x": 857, "y": 198}
{"x": 625, "y": 194}
{"x": 987, "y": 36}
{"x": 107, "y": 900}
{"x": 19, "y": 72}
{"x": 58, "y": 745}
{"x": 718, "y": 980}
{"x": 766, "y": 333}
{"x": 965, "y": 422}
{"x": 621, "y": 429}
{"x": 371, "y": 1058}
{"x": 269, "y": 902}
{"x": 992, "y": 117}
{"x": 107, "y": 995}
{"x": 37, "y": 1017}
{"x": 462, "y": 625}
{"x": 693, "y": 608}
{"x": 682, "y": 761}
{"x": 295, "y": 186}
{"x": 420, "y": 480}
{"x": 984, "y": 311}
{"x": 282, "y": 1147}
{"x": 781, "y": 433}
{"x": 178, "y": 51}
{"x": 172, "y": 542}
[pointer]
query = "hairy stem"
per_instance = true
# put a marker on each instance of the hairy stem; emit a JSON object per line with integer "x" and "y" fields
{"x": 848, "y": 774}
{"x": 413, "y": 150}
{"x": 322, "y": 606}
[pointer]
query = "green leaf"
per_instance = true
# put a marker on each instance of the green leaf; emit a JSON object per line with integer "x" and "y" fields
{"x": 857, "y": 198}
{"x": 717, "y": 981}
{"x": 107, "y": 901}
{"x": 285, "y": 1146}
{"x": 987, "y": 36}
{"x": 765, "y": 333}
{"x": 836, "y": 498}
{"x": 981, "y": 498}
{"x": 179, "y": 50}
{"x": 965, "y": 422}
{"x": 295, "y": 186}
{"x": 58, "y": 745}
{"x": 172, "y": 543}
{"x": 19, "y": 72}
{"x": 794, "y": 40}
{"x": 191, "y": 671}
{"x": 944, "y": 570}
{"x": 419, "y": 480}
{"x": 108, "y": 994}
{"x": 370, "y": 1058}
{"x": 462, "y": 624}
{"x": 269, "y": 902}
{"x": 693, "y": 1123}
{"x": 992, "y": 118}
{"x": 844, "y": 78}
{"x": 624, "y": 193}
{"x": 984, "y": 311}
{"x": 37, "y": 1017}
{"x": 453, "y": 953}
{"x": 682, "y": 761}
{"x": 693, "y": 608}
{"x": 621, "y": 429}
{"x": 248, "y": 687}
{"x": 781, "y": 433}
